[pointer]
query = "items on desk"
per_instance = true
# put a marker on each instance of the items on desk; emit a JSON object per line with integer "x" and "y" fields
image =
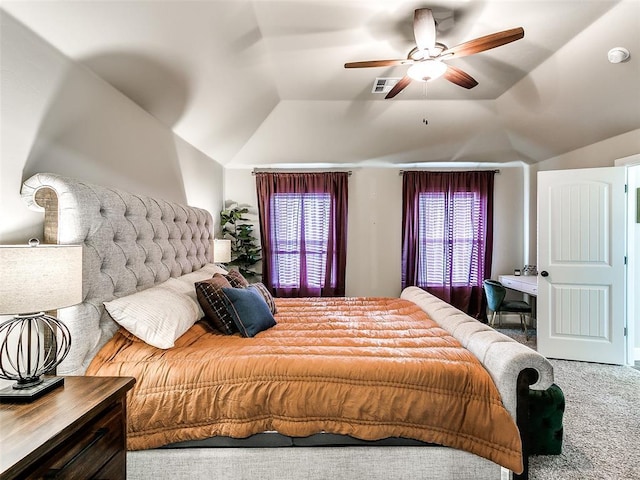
{"x": 516, "y": 272}
{"x": 530, "y": 270}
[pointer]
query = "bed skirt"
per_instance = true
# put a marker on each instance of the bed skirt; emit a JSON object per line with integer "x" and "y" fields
{"x": 312, "y": 463}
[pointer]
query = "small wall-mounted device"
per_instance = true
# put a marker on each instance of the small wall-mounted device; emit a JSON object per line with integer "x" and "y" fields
{"x": 618, "y": 55}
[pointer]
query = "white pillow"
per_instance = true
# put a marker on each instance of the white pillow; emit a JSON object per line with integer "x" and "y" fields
{"x": 158, "y": 315}
{"x": 213, "y": 268}
{"x": 186, "y": 283}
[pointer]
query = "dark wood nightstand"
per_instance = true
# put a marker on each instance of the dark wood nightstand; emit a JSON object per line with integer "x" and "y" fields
{"x": 75, "y": 431}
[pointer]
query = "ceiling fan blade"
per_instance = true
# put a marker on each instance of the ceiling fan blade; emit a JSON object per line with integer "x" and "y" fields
{"x": 457, "y": 76}
{"x": 487, "y": 42}
{"x": 378, "y": 63}
{"x": 398, "y": 87}
{"x": 424, "y": 29}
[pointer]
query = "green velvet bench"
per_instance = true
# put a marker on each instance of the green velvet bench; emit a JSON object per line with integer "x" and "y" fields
{"x": 546, "y": 408}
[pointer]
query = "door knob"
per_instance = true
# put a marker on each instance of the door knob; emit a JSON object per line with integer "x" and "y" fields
{"x": 544, "y": 273}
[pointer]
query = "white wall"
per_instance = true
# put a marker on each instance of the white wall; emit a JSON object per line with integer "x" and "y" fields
{"x": 374, "y": 237}
{"x": 375, "y": 224}
{"x": 57, "y": 116}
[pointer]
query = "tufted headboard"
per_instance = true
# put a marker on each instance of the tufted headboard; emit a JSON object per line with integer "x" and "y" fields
{"x": 130, "y": 243}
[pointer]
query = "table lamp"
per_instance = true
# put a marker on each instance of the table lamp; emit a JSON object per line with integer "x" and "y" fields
{"x": 35, "y": 279}
{"x": 221, "y": 250}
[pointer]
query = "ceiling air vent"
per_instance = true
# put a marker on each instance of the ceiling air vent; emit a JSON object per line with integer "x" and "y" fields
{"x": 383, "y": 85}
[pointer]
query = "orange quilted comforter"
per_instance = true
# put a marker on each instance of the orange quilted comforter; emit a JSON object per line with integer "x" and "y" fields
{"x": 367, "y": 367}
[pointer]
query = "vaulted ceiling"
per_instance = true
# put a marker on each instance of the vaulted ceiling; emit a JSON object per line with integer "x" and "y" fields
{"x": 263, "y": 83}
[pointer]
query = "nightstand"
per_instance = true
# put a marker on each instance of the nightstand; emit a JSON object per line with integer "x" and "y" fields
{"x": 75, "y": 431}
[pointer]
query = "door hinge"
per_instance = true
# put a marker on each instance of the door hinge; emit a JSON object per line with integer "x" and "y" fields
{"x": 625, "y": 259}
{"x": 625, "y": 331}
{"x": 626, "y": 188}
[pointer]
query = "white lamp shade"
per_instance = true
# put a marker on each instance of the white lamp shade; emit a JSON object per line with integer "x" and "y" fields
{"x": 427, "y": 70}
{"x": 221, "y": 251}
{"x": 39, "y": 278}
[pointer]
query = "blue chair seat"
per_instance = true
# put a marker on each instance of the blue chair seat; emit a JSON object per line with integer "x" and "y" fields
{"x": 515, "y": 306}
{"x": 495, "y": 293}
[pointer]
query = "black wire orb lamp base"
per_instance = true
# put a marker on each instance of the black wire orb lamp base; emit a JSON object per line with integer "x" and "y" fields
{"x": 32, "y": 345}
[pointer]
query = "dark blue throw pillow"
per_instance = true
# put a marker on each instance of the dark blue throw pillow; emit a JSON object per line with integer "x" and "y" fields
{"x": 248, "y": 309}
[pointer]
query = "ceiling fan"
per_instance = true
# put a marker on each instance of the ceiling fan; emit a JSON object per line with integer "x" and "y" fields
{"x": 426, "y": 60}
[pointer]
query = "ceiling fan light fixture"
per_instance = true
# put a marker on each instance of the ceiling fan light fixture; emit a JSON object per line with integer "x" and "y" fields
{"x": 427, "y": 70}
{"x": 426, "y": 58}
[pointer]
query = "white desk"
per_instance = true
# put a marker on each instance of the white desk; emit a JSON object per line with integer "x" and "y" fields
{"x": 523, "y": 283}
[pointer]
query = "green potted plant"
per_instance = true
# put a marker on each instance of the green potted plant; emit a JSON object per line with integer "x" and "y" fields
{"x": 245, "y": 250}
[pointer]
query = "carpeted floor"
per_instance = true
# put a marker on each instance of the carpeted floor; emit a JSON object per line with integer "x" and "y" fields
{"x": 601, "y": 422}
{"x": 515, "y": 332}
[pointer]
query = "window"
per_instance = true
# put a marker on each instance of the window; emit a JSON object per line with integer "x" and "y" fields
{"x": 447, "y": 235}
{"x": 449, "y": 249}
{"x": 303, "y": 224}
{"x": 299, "y": 238}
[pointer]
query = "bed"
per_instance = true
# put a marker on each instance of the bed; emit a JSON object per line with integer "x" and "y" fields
{"x": 137, "y": 245}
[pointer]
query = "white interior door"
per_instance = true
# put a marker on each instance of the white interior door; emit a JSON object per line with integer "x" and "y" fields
{"x": 581, "y": 260}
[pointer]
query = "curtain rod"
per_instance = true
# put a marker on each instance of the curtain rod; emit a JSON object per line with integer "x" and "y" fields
{"x": 349, "y": 172}
{"x": 275, "y": 170}
{"x": 402, "y": 172}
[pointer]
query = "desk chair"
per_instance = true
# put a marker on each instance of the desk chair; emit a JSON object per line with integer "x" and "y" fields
{"x": 495, "y": 293}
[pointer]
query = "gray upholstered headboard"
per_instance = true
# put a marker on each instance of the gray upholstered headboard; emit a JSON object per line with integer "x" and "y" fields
{"x": 130, "y": 243}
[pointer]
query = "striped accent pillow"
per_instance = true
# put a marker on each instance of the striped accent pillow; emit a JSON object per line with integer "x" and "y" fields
{"x": 236, "y": 279}
{"x": 209, "y": 293}
{"x": 266, "y": 294}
